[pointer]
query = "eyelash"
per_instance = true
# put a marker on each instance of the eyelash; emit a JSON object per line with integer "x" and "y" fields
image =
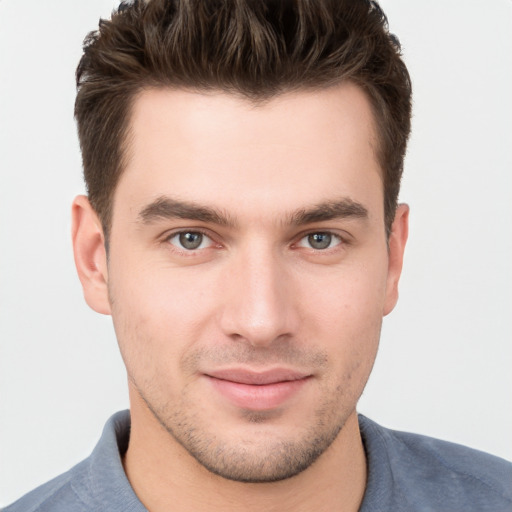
{"x": 341, "y": 241}
{"x": 184, "y": 250}
{"x": 333, "y": 237}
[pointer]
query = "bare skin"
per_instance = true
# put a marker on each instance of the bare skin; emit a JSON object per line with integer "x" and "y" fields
{"x": 247, "y": 278}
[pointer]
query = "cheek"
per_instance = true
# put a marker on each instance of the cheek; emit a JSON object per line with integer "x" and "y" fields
{"x": 348, "y": 299}
{"x": 158, "y": 316}
{"x": 345, "y": 318}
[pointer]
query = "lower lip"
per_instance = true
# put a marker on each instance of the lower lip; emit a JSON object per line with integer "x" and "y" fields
{"x": 258, "y": 398}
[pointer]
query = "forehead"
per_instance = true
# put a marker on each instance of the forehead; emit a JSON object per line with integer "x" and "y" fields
{"x": 301, "y": 147}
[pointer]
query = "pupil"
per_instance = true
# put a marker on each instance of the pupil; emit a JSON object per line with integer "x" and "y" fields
{"x": 320, "y": 240}
{"x": 191, "y": 240}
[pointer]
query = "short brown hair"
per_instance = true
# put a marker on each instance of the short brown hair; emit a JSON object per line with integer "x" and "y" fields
{"x": 256, "y": 48}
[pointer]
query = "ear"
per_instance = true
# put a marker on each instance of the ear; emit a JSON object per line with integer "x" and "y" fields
{"x": 396, "y": 248}
{"x": 90, "y": 254}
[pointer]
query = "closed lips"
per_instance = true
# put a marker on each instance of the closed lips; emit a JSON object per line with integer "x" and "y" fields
{"x": 242, "y": 376}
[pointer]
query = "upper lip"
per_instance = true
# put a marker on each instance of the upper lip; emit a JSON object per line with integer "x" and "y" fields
{"x": 257, "y": 378}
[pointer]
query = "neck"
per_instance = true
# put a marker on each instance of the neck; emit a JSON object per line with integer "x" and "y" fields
{"x": 166, "y": 477}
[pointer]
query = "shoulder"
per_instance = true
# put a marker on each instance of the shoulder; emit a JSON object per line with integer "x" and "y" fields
{"x": 430, "y": 474}
{"x": 98, "y": 483}
{"x": 59, "y": 494}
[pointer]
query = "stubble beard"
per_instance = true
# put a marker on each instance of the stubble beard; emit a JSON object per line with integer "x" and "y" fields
{"x": 261, "y": 454}
{"x": 262, "y": 458}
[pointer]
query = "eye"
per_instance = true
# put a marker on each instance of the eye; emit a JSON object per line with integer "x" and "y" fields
{"x": 320, "y": 240}
{"x": 190, "y": 240}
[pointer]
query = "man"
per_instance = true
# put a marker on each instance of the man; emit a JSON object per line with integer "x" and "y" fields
{"x": 243, "y": 163}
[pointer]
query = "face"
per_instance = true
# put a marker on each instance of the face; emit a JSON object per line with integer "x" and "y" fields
{"x": 249, "y": 272}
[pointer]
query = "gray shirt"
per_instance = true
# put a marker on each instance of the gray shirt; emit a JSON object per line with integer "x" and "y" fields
{"x": 406, "y": 473}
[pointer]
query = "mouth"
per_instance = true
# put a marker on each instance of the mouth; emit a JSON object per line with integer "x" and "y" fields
{"x": 255, "y": 390}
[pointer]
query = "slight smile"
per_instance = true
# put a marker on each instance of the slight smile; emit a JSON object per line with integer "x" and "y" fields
{"x": 258, "y": 391}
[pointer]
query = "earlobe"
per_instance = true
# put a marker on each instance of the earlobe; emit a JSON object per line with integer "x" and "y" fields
{"x": 397, "y": 241}
{"x": 90, "y": 254}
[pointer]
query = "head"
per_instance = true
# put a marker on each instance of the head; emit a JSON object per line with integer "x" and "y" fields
{"x": 243, "y": 159}
{"x": 256, "y": 50}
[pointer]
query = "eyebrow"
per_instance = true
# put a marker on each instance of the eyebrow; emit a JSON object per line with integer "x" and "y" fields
{"x": 168, "y": 208}
{"x": 330, "y": 210}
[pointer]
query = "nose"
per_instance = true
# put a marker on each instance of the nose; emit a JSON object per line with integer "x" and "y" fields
{"x": 259, "y": 302}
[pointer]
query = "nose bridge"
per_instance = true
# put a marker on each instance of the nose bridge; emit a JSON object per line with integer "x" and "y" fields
{"x": 259, "y": 303}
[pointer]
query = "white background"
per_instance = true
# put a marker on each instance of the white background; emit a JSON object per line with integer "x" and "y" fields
{"x": 444, "y": 367}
